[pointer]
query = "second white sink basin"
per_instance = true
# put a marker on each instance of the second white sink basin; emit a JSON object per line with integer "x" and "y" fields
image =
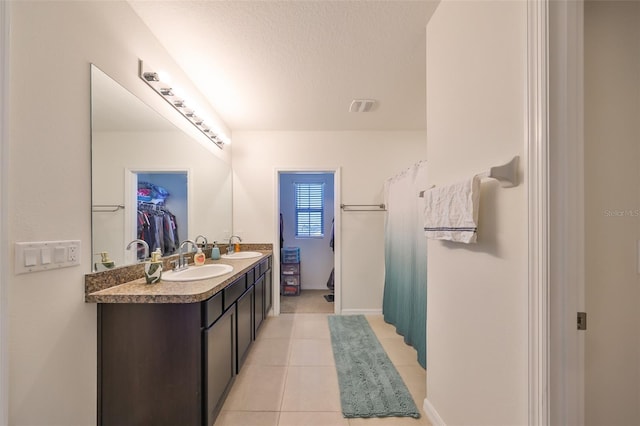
{"x": 194, "y": 273}
{"x": 242, "y": 255}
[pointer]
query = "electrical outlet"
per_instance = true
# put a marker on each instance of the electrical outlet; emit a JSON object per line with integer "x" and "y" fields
{"x": 73, "y": 254}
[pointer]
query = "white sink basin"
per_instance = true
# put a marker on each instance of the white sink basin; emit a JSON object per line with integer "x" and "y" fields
{"x": 242, "y": 255}
{"x": 194, "y": 273}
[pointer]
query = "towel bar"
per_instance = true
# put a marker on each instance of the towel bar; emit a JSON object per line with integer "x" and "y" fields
{"x": 507, "y": 174}
{"x": 363, "y": 207}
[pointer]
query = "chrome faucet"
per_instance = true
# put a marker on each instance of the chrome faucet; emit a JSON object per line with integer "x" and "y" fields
{"x": 182, "y": 263}
{"x": 230, "y": 248}
{"x": 206, "y": 242}
{"x": 144, "y": 245}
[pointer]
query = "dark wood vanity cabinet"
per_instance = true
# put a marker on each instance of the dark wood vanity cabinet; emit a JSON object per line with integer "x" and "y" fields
{"x": 173, "y": 364}
{"x": 258, "y": 308}
{"x": 263, "y": 292}
{"x": 219, "y": 361}
{"x": 149, "y": 364}
{"x": 245, "y": 325}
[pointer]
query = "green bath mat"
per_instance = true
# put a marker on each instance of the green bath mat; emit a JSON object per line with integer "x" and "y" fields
{"x": 370, "y": 385}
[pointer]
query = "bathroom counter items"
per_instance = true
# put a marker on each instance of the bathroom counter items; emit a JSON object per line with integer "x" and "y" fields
{"x": 138, "y": 291}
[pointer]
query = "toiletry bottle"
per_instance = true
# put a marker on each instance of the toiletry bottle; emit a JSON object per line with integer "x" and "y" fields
{"x": 215, "y": 252}
{"x": 199, "y": 257}
{"x": 236, "y": 248}
{"x": 153, "y": 269}
{"x": 106, "y": 262}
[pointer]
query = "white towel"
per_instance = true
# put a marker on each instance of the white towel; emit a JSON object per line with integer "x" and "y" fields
{"x": 451, "y": 212}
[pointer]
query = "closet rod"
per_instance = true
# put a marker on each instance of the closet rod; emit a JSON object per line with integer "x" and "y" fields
{"x": 359, "y": 207}
{"x": 106, "y": 207}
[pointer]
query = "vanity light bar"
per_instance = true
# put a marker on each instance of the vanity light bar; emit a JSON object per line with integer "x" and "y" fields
{"x": 153, "y": 80}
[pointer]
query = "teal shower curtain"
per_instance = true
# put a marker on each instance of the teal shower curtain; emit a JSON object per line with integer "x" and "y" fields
{"x": 405, "y": 285}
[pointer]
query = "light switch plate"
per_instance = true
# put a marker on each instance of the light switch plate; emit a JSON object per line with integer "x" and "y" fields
{"x": 45, "y": 255}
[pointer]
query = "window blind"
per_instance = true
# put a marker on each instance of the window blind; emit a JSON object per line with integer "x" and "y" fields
{"x": 309, "y": 209}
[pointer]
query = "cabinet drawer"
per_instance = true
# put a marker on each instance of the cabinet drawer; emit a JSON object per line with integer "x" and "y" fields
{"x": 212, "y": 309}
{"x": 263, "y": 266}
{"x": 233, "y": 291}
{"x": 290, "y": 269}
{"x": 251, "y": 277}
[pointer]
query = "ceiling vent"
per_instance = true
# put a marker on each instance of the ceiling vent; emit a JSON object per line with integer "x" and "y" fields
{"x": 362, "y": 105}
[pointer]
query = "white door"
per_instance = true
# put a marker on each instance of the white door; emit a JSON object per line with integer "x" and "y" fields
{"x": 612, "y": 212}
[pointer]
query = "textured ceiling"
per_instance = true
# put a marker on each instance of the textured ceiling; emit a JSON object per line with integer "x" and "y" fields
{"x": 296, "y": 65}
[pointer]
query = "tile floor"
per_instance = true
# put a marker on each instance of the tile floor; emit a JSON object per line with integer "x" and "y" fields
{"x": 289, "y": 377}
{"x": 308, "y": 301}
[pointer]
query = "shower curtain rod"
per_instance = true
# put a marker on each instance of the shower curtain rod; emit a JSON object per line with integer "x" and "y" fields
{"x": 363, "y": 207}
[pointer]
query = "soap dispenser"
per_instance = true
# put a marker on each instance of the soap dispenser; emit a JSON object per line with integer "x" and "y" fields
{"x": 215, "y": 251}
{"x": 106, "y": 262}
{"x": 199, "y": 257}
{"x": 153, "y": 269}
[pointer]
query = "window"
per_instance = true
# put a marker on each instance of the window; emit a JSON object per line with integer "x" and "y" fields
{"x": 309, "y": 210}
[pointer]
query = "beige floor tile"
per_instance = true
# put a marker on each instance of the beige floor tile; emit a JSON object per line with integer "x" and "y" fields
{"x": 269, "y": 352}
{"x": 390, "y": 421}
{"x": 415, "y": 378}
{"x": 280, "y": 327}
{"x": 312, "y": 418}
{"x": 311, "y": 389}
{"x": 247, "y": 418}
{"x": 308, "y": 301}
{"x": 288, "y": 369}
{"x": 311, "y": 326}
{"x": 311, "y": 352}
{"x": 381, "y": 328}
{"x": 257, "y": 388}
{"x": 399, "y": 352}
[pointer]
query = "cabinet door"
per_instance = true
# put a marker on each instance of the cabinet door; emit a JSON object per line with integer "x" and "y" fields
{"x": 268, "y": 292}
{"x": 219, "y": 370}
{"x": 258, "y": 311}
{"x": 150, "y": 364}
{"x": 245, "y": 325}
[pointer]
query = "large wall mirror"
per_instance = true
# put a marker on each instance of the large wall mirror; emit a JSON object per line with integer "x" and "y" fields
{"x": 150, "y": 180}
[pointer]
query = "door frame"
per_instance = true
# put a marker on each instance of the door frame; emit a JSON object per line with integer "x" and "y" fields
{"x": 5, "y": 23}
{"x": 538, "y": 205}
{"x": 561, "y": 345}
{"x": 337, "y": 244}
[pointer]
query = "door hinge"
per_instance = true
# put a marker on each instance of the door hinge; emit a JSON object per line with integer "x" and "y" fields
{"x": 582, "y": 320}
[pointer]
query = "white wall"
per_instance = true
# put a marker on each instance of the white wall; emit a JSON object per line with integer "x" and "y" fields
{"x": 366, "y": 159}
{"x": 316, "y": 255}
{"x": 477, "y": 295}
{"x": 52, "y": 332}
{"x": 612, "y": 206}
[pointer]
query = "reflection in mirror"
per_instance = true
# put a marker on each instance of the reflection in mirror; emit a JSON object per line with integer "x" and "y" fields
{"x": 150, "y": 180}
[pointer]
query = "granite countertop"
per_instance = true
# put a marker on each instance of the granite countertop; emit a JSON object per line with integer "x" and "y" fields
{"x": 138, "y": 291}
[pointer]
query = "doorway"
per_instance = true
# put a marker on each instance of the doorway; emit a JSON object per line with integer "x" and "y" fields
{"x": 307, "y": 241}
{"x": 595, "y": 212}
{"x": 612, "y": 212}
{"x": 161, "y": 213}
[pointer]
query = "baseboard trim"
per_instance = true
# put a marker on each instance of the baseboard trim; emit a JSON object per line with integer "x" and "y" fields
{"x": 362, "y": 312}
{"x": 432, "y": 414}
